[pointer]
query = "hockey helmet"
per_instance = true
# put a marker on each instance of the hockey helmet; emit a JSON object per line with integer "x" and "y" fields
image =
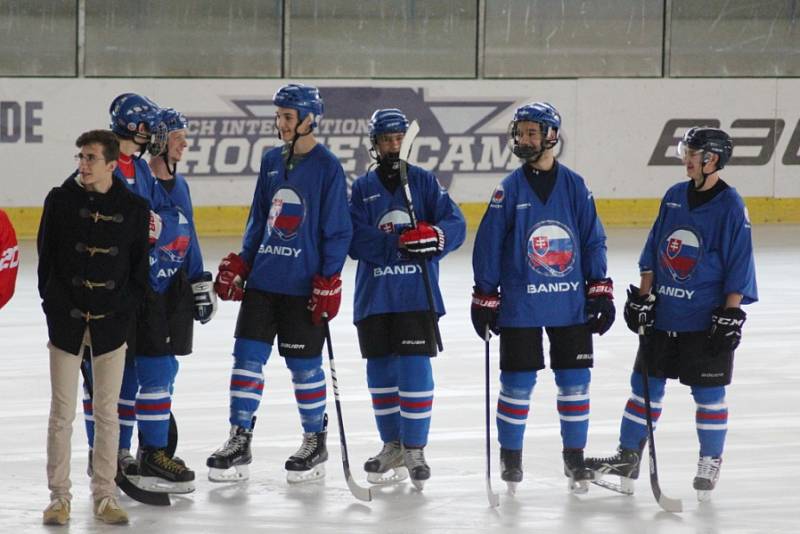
{"x": 709, "y": 141}
{"x": 549, "y": 120}
{"x": 129, "y": 110}
{"x": 303, "y": 98}
{"x": 174, "y": 119}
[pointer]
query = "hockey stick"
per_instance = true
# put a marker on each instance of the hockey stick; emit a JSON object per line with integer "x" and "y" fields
{"x": 129, "y": 488}
{"x": 494, "y": 498}
{"x": 360, "y": 493}
{"x": 405, "y": 150}
{"x": 666, "y": 503}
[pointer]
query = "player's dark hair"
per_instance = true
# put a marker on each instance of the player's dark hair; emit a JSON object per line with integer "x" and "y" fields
{"x": 101, "y": 137}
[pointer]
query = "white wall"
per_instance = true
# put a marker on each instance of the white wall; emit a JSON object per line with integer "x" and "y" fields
{"x": 610, "y": 129}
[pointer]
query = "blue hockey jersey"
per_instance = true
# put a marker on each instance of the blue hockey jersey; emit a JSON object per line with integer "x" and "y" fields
{"x": 297, "y": 227}
{"x": 540, "y": 255}
{"x": 182, "y": 199}
{"x": 386, "y": 280}
{"x": 144, "y": 184}
{"x": 170, "y": 250}
{"x": 698, "y": 257}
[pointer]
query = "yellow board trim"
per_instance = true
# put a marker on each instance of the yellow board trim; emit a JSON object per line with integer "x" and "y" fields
{"x": 633, "y": 212}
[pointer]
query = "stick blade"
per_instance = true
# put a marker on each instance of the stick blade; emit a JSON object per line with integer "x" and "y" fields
{"x": 494, "y": 498}
{"x": 408, "y": 140}
{"x": 359, "y": 492}
{"x": 674, "y": 506}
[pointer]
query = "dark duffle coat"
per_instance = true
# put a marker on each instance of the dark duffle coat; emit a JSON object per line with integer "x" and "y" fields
{"x": 93, "y": 263}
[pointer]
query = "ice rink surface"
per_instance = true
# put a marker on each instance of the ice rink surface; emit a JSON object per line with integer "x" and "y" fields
{"x": 757, "y": 491}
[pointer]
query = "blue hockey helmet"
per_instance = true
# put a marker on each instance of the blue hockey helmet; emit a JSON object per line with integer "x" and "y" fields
{"x": 549, "y": 120}
{"x": 303, "y": 98}
{"x": 383, "y": 121}
{"x": 174, "y": 119}
{"x": 709, "y": 141}
{"x": 129, "y": 110}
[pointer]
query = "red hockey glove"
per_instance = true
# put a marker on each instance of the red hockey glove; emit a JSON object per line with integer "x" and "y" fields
{"x": 485, "y": 311}
{"x": 600, "y": 310}
{"x": 233, "y": 271}
{"x": 155, "y": 227}
{"x": 424, "y": 241}
{"x": 326, "y": 296}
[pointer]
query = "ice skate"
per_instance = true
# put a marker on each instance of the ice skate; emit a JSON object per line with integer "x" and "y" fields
{"x": 160, "y": 473}
{"x": 707, "y": 475}
{"x": 388, "y": 466}
{"x": 417, "y": 467}
{"x": 511, "y": 468}
{"x": 127, "y": 463}
{"x": 231, "y": 462}
{"x": 576, "y": 471}
{"x": 624, "y": 464}
{"x": 308, "y": 463}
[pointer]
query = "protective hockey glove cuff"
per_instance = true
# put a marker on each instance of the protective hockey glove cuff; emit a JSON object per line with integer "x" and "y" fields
{"x": 726, "y": 328}
{"x": 600, "y": 310}
{"x": 233, "y": 271}
{"x": 485, "y": 311}
{"x": 205, "y": 300}
{"x": 640, "y": 311}
{"x": 424, "y": 241}
{"x": 326, "y": 296}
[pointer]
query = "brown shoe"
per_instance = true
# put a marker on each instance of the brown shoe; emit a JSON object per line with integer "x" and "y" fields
{"x": 108, "y": 510}
{"x": 57, "y": 512}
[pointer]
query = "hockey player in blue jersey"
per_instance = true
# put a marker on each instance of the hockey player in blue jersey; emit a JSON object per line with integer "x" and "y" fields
{"x": 697, "y": 269}
{"x": 287, "y": 276}
{"x": 164, "y": 168}
{"x": 540, "y": 261}
{"x": 391, "y": 308}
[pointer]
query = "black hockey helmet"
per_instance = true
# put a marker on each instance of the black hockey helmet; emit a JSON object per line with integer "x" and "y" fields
{"x": 710, "y": 141}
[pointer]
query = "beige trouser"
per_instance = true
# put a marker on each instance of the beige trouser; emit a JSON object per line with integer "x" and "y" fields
{"x": 106, "y": 381}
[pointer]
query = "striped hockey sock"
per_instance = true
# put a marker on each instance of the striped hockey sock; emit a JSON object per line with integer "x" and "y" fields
{"x": 310, "y": 391}
{"x": 633, "y": 430}
{"x": 513, "y": 405}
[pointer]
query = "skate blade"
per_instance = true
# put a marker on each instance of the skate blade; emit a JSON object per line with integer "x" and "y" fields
{"x": 512, "y": 488}
{"x": 237, "y": 473}
{"x": 577, "y": 487}
{"x": 393, "y": 476}
{"x": 301, "y": 477}
{"x": 703, "y": 495}
{"x": 159, "y": 485}
{"x": 625, "y": 486}
{"x": 419, "y": 484}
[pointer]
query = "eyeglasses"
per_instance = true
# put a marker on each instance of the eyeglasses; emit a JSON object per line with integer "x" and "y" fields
{"x": 88, "y": 158}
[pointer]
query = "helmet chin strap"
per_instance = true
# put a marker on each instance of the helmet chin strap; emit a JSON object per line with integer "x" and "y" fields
{"x": 170, "y": 169}
{"x": 290, "y": 154}
{"x": 705, "y": 174}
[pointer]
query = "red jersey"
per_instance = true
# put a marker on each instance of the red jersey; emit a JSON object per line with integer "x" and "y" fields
{"x": 9, "y": 259}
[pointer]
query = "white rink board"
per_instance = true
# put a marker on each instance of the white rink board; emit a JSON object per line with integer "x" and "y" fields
{"x": 611, "y": 128}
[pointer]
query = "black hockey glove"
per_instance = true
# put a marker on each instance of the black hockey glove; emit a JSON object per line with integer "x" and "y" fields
{"x": 640, "y": 311}
{"x": 600, "y": 310}
{"x": 726, "y": 328}
{"x": 205, "y": 299}
{"x": 485, "y": 311}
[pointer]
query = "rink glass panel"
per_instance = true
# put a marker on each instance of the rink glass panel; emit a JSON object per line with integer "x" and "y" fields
{"x": 557, "y": 39}
{"x": 383, "y": 39}
{"x": 722, "y": 38}
{"x": 37, "y": 38}
{"x": 184, "y": 38}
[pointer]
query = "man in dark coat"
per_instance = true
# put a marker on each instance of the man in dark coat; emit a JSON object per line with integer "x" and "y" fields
{"x": 93, "y": 262}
